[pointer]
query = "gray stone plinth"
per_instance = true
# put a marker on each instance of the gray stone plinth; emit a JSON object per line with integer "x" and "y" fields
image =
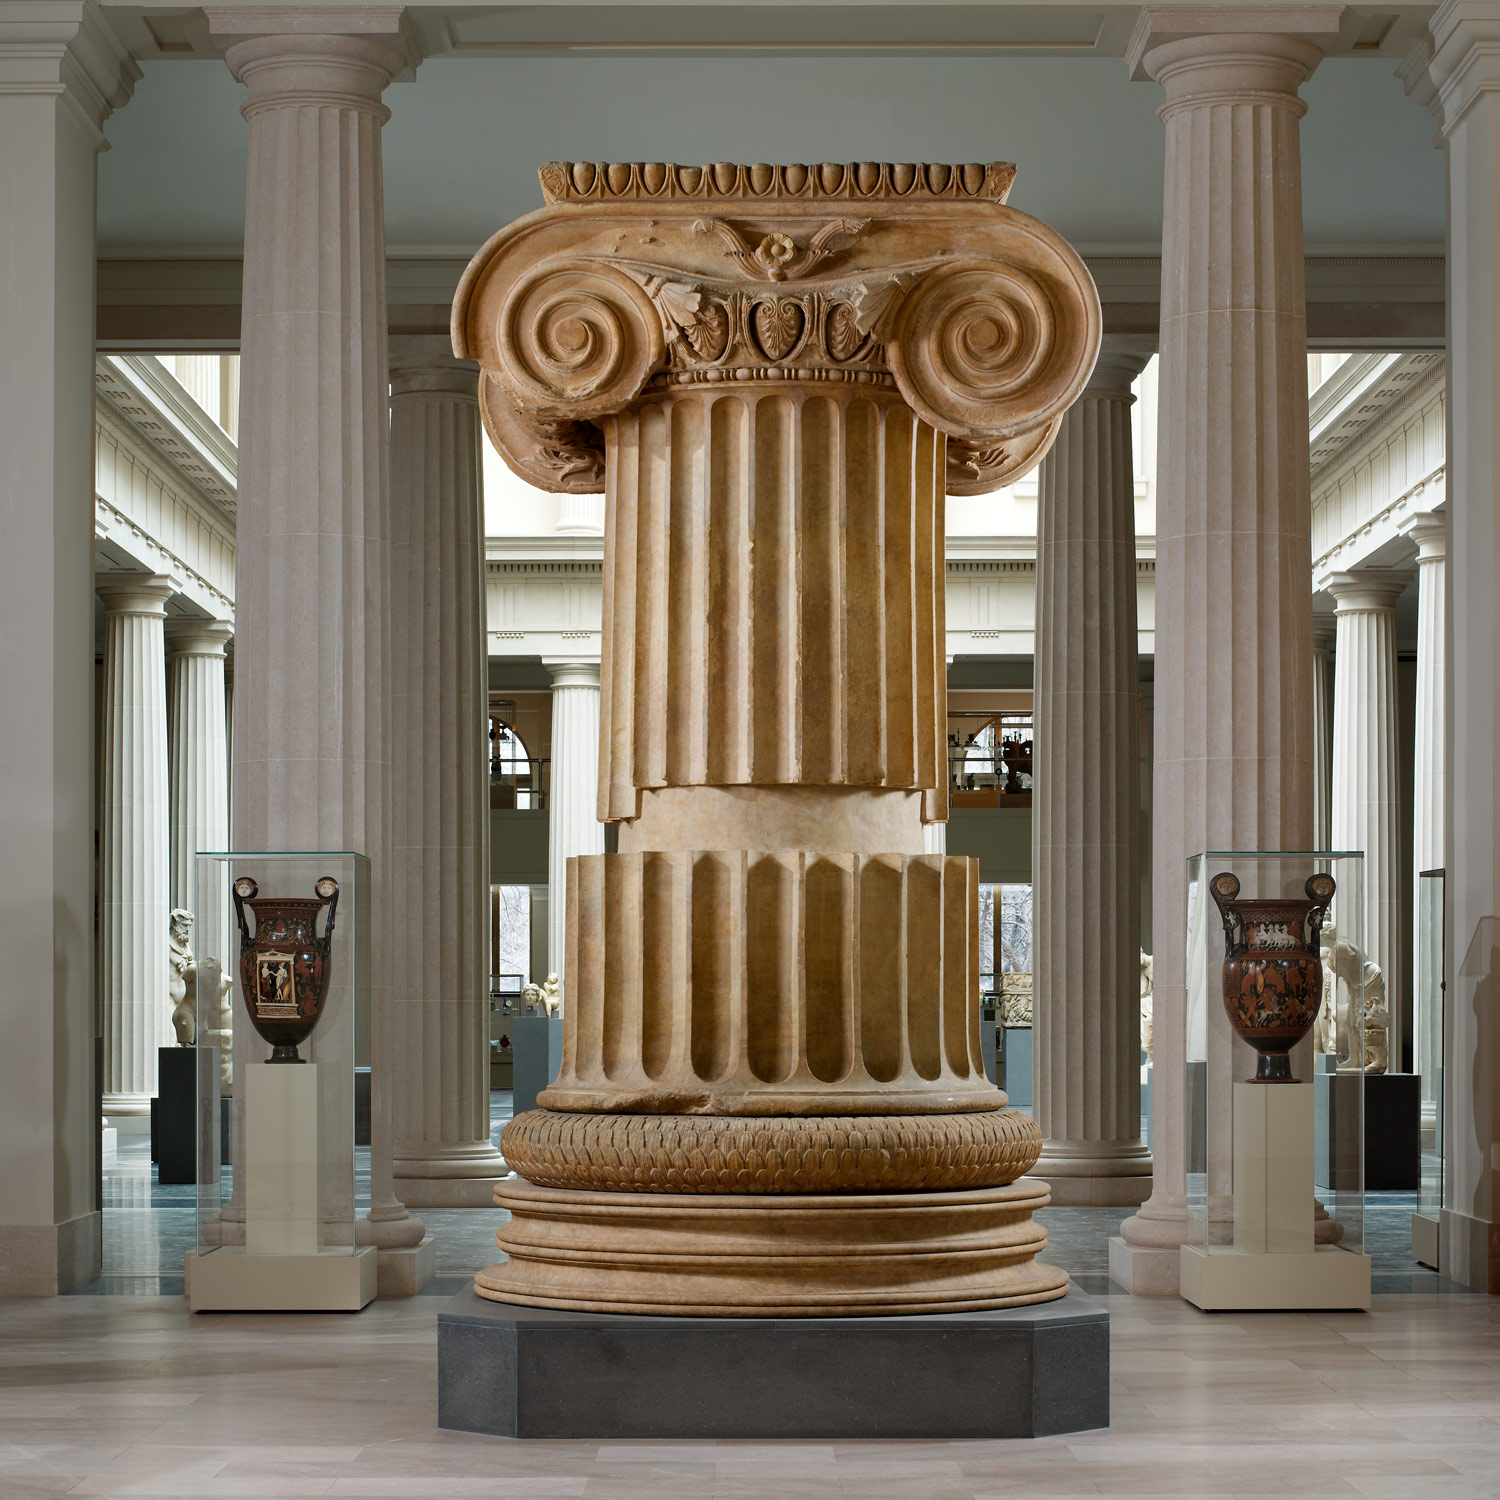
{"x": 1017, "y": 1083}
{"x": 539, "y": 1045}
{"x": 536, "y": 1372}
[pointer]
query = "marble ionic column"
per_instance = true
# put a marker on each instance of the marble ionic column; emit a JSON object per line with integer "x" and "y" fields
{"x": 1234, "y": 731}
{"x": 442, "y": 1150}
{"x": 1463, "y": 82}
{"x": 1322, "y": 682}
{"x": 1429, "y": 530}
{"x": 135, "y": 849}
{"x": 312, "y": 566}
{"x": 199, "y": 772}
{"x": 1086, "y": 802}
{"x": 772, "y": 988}
{"x": 1366, "y": 783}
{"x": 573, "y": 825}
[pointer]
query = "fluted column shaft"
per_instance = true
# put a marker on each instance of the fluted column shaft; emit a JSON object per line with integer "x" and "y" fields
{"x": 1086, "y": 803}
{"x": 573, "y": 825}
{"x": 1234, "y": 739}
{"x": 135, "y": 857}
{"x": 199, "y": 770}
{"x": 312, "y": 564}
{"x": 1322, "y": 683}
{"x": 1429, "y": 531}
{"x": 1366, "y": 783}
{"x": 440, "y": 803}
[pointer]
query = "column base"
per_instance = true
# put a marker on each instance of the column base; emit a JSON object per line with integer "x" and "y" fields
{"x": 448, "y": 1192}
{"x": 461, "y": 1177}
{"x": 768, "y": 1255}
{"x": 46, "y": 1260}
{"x": 1145, "y": 1270}
{"x": 1095, "y": 1192}
{"x": 405, "y": 1271}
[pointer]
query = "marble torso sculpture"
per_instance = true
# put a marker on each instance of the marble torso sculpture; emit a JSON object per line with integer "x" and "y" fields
{"x": 182, "y": 975}
{"x": 1352, "y": 977}
{"x": 771, "y": 1057}
{"x": 214, "y": 986}
{"x": 1148, "y": 977}
{"x": 546, "y": 998}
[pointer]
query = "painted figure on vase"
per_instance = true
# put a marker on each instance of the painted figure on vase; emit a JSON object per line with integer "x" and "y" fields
{"x": 1273, "y": 976}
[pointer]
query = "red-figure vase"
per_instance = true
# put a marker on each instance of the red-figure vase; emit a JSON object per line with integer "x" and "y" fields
{"x": 284, "y": 965}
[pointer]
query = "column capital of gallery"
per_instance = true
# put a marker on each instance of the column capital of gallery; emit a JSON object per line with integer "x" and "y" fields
{"x": 1464, "y": 65}
{"x": 289, "y": 58}
{"x": 66, "y": 48}
{"x": 425, "y": 364}
{"x": 135, "y": 593}
{"x": 1324, "y": 633}
{"x": 1367, "y": 590}
{"x": 1252, "y": 54}
{"x": 573, "y": 674}
{"x": 1427, "y": 530}
{"x": 188, "y": 635}
{"x": 1122, "y": 357}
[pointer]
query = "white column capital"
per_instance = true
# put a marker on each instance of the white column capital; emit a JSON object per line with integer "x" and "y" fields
{"x": 574, "y": 674}
{"x": 1366, "y": 589}
{"x": 288, "y": 57}
{"x": 1217, "y": 55}
{"x": 1121, "y": 360}
{"x": 135, "y": 593}
{"x": 424, "y": 363}
{"x": 1465, "y": 63}
{"x": 66, "y": 47}
{"x": 187, "y": 635}
{"x": 1324, "y": 633}
{"x": 1428, "y": 531}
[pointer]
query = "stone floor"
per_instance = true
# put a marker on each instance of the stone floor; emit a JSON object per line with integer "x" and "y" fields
{"x": 132, "y": 1395}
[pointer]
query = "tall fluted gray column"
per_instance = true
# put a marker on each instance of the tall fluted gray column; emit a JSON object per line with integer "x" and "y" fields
{"x": 1086, "y": 923}
{"x": 134, "y": 855}
{"x": 1366, "y": 783}
{"x": 1234, "y": 732}
{"x": 197, "y": 726}
{"x": 573, "y": 825}
{"x": 1322, "y": 684}
{"x": 1429, "y": 530}
{"x": 312, "y": 567}
{"x": 440, "y": 1107}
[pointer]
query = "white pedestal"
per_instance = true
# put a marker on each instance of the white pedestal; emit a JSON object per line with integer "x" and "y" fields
{"x": 283, "y": 1170}
{"x": 1274, "y": 1262}
{"x": 230, "y": 1279}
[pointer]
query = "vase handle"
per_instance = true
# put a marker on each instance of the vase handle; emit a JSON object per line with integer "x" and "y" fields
{"x": 244, "y": 889}
{"x": 328, "y": 891}
{"x": 1320, "y": 889}
{"x": 1224, "y": 888}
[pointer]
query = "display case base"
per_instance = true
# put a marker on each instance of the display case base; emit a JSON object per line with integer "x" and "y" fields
{"x": 1424, "y": 1240}
{"x": 536, "y": 1372}
{"x": 229, "y": 1280}
{"x": 405, "y": 1271}
{"x": 1225, "y": 1279}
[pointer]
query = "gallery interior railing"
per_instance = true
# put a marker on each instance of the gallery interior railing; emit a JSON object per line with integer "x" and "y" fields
{"x": 519, "y": 785}
{"x": 989, "y": 758}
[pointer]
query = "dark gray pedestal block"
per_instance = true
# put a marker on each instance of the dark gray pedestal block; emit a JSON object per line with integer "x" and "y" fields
{"x": 1017, "y": 1083}
{"x": 538, "y": 1373}
{"x": 1392, "y": 1128}
{"x": 539, "y": 1044}
{"x": 987, "y": 1047}
{"x": 174, "y": 1111}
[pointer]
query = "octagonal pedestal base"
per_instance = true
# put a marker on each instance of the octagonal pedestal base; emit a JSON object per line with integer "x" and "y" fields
{"x": 539, "y": 1373}
{"x": 783, "y": 1255}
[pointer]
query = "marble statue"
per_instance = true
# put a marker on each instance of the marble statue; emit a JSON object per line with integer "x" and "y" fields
{"x": 1016, "y": 1000}
{"x": 1148, "y": 970}
{"x": 182, "y": 977}
{"x": 1342, "y": 973}
{"x": 544, "y": 998}
{"x": 214, "y": 986}
{"x": 771, "y": 986}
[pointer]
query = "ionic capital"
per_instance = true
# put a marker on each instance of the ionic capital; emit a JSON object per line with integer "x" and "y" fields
{"x": 639, "y": 278}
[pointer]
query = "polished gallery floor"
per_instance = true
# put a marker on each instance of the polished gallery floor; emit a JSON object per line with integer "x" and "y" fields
{"x": 125, "y": 1393}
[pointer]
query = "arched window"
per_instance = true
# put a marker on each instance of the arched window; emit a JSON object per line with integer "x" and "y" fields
{"x": 516, "y": 779}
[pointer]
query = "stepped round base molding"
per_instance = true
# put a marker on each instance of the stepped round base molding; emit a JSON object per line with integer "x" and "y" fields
{"x": 808, "y": 1154}
{"x": 759, "y": 1256}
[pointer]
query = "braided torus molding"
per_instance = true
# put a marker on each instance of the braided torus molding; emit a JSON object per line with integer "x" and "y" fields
{"x": 808, "y": 1154}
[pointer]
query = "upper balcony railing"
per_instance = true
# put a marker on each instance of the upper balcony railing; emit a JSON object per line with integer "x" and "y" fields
{"x": 989, "y": 759}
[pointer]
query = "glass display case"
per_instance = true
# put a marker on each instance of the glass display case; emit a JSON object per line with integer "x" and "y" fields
{"x": 1429, "y": 968}
{"x": 1274, "y": 1093}
{"x": 276, "y": 1020}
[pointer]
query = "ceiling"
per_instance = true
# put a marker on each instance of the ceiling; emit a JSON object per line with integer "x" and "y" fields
{"x": 510, "y": 87}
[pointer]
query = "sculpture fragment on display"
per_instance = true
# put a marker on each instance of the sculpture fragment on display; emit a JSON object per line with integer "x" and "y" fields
{"x": 546, "y": 998}
{"x": 182, "y": 976}
{"x": 772, "y": 1041}
{"x": 1148, "y": 979}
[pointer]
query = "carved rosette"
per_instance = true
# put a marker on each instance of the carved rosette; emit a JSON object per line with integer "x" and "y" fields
{"x": 652, "y": 275}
